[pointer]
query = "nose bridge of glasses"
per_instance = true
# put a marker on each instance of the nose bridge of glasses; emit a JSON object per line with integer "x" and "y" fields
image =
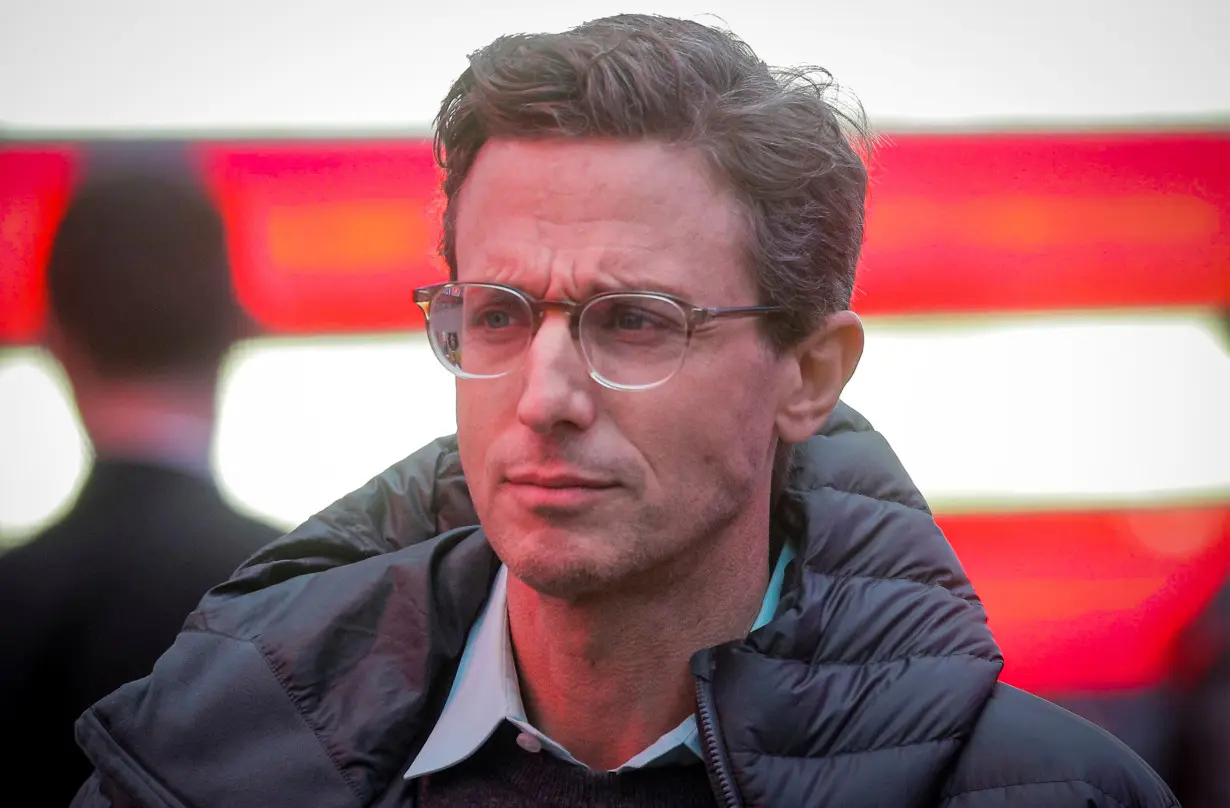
{"x": 552, "y": 352}
{"x": 567, "y": 308}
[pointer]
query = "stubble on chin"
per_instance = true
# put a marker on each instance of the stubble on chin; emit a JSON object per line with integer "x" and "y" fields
{"x": 554, "y": 569}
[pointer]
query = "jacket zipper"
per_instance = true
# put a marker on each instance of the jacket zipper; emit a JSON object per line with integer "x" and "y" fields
{"x": 721, "y": 778}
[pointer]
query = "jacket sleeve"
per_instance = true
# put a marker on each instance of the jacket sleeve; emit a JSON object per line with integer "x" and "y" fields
{"x": 1057, "y": 794}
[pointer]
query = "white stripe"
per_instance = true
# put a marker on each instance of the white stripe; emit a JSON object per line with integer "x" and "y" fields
{"x": 1003, "y": 412}
{"x": 305, "y": 421}
{"x": 1059, "y": 410}
{"x": 44, "y": 455}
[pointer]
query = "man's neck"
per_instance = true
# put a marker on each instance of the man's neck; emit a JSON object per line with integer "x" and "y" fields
{"x": 608, "y": 676}
{"x": 170, "y": 423}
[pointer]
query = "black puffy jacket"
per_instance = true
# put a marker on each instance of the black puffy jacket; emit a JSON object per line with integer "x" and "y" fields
{"x": 313, "y": 677}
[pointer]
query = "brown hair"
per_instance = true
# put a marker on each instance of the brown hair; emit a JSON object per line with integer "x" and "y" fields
{"x": 779, "y": 138}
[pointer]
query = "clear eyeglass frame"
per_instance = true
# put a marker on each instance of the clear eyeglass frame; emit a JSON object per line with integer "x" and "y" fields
{"x": 690, "y": 318}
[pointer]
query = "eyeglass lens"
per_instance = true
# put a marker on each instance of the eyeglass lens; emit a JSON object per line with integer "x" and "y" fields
{"x": 630, "y": 340}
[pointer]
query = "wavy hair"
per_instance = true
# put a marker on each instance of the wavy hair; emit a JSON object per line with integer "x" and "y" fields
{"x": 787, "y": 141}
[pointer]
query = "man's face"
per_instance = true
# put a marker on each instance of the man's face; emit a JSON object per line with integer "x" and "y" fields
{"x": 581, "y": 488}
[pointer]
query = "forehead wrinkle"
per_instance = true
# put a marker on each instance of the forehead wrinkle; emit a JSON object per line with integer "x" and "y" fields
{"x": 578, "y": 274}
{"x": 596, "y": 271}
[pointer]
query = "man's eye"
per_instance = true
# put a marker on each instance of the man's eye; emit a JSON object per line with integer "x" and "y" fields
{"x": 633, "y": 318}
{"x": 493, "y": 318}
{"x": 496, "y": 319}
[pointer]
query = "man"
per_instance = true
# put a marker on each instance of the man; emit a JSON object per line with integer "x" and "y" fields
{"x": 652, "y": 241}
{"x": 141, "y": 314}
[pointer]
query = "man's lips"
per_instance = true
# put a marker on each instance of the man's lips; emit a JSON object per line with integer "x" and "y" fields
{"x": 557, "y": 491}
{"x": 558, "y": 479}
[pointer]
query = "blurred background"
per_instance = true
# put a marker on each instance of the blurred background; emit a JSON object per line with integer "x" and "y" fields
{"x": 1046, "y": 281}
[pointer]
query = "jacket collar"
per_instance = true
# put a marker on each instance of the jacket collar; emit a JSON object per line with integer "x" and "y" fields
{"x": 880, "y": 659}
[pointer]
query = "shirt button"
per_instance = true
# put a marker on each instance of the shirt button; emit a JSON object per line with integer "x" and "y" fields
{"x": 529, "y": 743}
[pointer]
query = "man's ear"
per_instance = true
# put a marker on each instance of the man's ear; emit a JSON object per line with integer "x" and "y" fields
{"x": 819, "y": 369}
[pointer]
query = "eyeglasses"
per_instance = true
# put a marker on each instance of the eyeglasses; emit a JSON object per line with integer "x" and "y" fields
{"x": 630, "y": 340}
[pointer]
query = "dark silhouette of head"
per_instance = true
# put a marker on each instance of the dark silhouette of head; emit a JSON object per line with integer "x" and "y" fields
{"x": 138, "y": 279}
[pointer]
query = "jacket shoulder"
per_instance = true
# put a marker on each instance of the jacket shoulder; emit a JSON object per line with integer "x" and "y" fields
{"x": 1025, "y": 750}
{"x": 417, "y": 499}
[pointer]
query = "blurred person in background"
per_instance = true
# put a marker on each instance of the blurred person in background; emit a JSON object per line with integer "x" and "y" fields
{"x": 682, "y": 574}
{"x": 1198, "y": 767}
{"x": 141, "y": 315}
{"x": 1181, "y": 727}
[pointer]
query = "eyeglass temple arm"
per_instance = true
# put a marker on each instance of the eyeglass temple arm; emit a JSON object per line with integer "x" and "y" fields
{"x": 701, "y": 315}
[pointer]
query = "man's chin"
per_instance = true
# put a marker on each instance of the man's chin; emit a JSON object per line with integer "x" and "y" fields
{"x": 557, "y": 567}
{"x": 562, "y": 584}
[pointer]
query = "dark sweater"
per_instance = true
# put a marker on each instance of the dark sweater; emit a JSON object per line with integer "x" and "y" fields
{"x": 502, "y": 774}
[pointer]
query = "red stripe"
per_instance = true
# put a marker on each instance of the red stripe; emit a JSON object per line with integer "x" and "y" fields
{"x": 34, "y": 186}
{"x": 1092, "y": 600}
{"x": 983, "y": 223}
{"x": 332, "y": 236}
{"x": 328, "y": 238}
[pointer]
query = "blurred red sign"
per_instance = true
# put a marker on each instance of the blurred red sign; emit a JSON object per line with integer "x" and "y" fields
{"x": 328, "y": 237}
{"x": 1082, "y": 601}
{"x": 1016, "y": 222}
{"x": 34, "y": 186}
{"x": 333, "y": 237}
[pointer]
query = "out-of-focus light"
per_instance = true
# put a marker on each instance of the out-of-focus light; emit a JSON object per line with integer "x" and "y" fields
{"x": 1064, "y": 410}
{"x": 989, "y": 414}
{"x": 304, "y": 422}
{"x": 44, "y": 455}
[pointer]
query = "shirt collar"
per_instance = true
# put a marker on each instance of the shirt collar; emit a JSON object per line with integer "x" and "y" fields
{"x": 486, "y": 692}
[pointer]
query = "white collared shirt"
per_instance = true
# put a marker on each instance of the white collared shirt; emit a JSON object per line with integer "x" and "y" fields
{"x": 486, "y": 693}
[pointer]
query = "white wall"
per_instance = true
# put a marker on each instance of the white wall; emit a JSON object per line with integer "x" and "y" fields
{"x": 69, "y": 64}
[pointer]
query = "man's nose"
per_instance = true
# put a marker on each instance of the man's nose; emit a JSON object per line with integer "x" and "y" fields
{"x": 556, "y": 388}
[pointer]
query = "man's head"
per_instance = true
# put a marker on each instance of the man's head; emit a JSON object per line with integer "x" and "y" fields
{"x": 645, "y": 154}
{"x": 138, "y": 281}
